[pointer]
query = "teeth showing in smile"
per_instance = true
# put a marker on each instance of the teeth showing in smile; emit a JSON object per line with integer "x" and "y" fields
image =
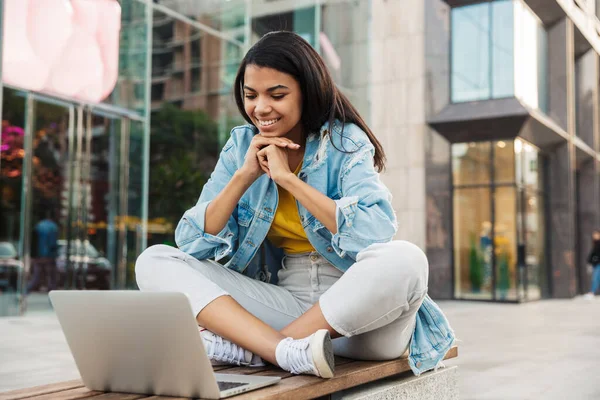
{"x": 269, "y": 122}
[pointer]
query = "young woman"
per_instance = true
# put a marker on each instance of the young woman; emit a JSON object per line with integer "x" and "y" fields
{"x": 296, "y": 207}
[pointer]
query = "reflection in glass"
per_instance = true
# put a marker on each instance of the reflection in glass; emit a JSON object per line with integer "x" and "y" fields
{"x": 193, "y": 112}
{"x": 11, "y": 164}
{"x": 528, "y": 165}
{"x": 135, "y": 200}
{"x": 505, "y": 243}
{"x": 489, "y": 40}
{"x": 534, "y": 243}
{"x": 343, "y": 42}
{"x": 133, "y": 49}
{"x": 49, "y": 180}
{"x": 504, "y": 161}
{"x": 502, "y": 49}
{"x": 483, "y": 51}
{"x": 585, "y": 86}
{"x": 103, "y": 178}
{"x": 11, "y": 182}
{"x": 470, "y": 52}
{"x": 530, "y": 57}
{"x": 472, "y": 243}
{"x": 510, "y": 246}
{"x": 471, "y": 163}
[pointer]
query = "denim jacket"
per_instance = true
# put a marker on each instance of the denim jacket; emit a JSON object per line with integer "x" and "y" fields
{"x": 339, "y": 166}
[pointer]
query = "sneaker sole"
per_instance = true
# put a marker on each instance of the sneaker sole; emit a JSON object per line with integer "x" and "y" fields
{"x": 322, "y": 352}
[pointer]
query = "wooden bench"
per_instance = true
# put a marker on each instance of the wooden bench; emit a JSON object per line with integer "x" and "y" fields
{"x": 348, "y": 374}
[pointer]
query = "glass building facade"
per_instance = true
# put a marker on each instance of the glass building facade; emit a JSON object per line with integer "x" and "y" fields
{"x": 514, "y": 96}
{"x": 498, "y": 50}
{"x": 115, "y": 176}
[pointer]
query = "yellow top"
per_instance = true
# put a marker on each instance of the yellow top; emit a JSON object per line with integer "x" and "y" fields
{"x": 286, "y": 230}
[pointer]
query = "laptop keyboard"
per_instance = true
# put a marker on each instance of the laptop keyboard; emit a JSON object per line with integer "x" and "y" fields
{"x": 230, "y": 385}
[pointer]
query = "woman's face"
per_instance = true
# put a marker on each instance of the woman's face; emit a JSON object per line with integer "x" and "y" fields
{"x": 272, "y": 99}
{"x": 596, "y": 235}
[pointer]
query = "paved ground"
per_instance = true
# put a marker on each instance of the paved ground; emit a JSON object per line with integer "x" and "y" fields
{"x": 542, "y": 350}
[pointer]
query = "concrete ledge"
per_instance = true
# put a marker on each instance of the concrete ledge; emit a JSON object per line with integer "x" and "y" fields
{"x": 435, "y": 385}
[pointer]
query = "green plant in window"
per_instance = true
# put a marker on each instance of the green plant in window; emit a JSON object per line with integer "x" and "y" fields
{"x": 475, "y": 265}
{"x": 503, "y": 274}
{"x": 184, "y": 148}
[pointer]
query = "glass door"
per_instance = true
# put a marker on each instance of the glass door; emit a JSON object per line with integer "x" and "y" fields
{"x": 46, "y": 232}
{"x": 104, "y": 200}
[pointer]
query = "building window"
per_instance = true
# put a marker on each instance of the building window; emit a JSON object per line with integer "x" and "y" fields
{"x": 498, "y": 221}
{"x": 498, "y": 50}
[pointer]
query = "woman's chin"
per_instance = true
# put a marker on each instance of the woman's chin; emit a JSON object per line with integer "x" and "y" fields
{"x": 270, "y": 133}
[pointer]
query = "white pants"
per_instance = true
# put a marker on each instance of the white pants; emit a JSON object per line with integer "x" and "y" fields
{"x": 373, "y": 304}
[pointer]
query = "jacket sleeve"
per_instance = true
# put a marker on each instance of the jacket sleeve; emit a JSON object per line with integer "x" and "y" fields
{"x": 364, "y": 215}
{"x": 190, "y": 235}
{"x": 593, "y": 256}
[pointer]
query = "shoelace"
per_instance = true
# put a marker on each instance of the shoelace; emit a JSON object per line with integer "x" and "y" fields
{"x": 296, "y": 356}
{"x": 220, "y": 349}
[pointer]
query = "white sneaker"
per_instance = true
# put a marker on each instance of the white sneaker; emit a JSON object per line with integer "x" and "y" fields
{"x": 589, "y": 296}
{"x": 311, "y": 355}
{"x": 223, "y": 352}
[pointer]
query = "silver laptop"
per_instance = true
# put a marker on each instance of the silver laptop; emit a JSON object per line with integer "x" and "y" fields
{"x": 141, "y": 342}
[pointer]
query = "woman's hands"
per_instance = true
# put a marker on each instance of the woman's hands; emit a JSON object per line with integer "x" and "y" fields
{"x": 274, "y": 162}
{"x": 252, "y": 166}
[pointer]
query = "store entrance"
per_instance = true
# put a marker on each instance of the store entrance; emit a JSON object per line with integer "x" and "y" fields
{"x": 64, "y": 170}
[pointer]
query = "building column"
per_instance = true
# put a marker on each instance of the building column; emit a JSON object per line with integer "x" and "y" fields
{"x": 589, "y": 218}
{"x": 397, "y": 92}
{"x": 438, "y": 175}
{"x": 561, "y": 221}
{"x": 561, "y": 163}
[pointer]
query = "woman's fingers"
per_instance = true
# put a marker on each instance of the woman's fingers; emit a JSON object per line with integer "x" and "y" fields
{"x": 263, "y": 161}
{"x": 265, "y": 168}
{"x": 261, "y": 142}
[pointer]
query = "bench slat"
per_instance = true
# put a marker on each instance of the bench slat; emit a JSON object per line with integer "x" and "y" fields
{"x": 71, "y": 394}
{"x": 40, "y": 390}
{"x": 245, "y": 370}
{"x": 120, "y": 396}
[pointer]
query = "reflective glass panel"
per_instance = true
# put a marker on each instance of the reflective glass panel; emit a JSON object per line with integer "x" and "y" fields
{"x": 505, "y": 243}
{"x": 585, "y": 82}
{"x": 504, "y": 161}
{"x": 502, "y": 49}
{"x": 130, "y": 88}
{"x": 343, "y": 42}
{"x": 134, "y": 199}
{"x": 542, "y": 56}
{"x": 535, "y": 262}
{"x": 228, "y": 17}
{"x": 193, "y": 111}
{"x": 49, "y": 216}
{"x": 529, "y": 164}
{"x": 471, "y": 53}
{"x": 472, "y": 243}
{"x": 471, "y": 163}
{"x": 530, "y": 57}
{"x": 12, "y": 154}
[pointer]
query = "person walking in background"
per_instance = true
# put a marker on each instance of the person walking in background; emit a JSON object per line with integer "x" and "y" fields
{"x": 594, "y": 260}
{"x": 44, "y": 258}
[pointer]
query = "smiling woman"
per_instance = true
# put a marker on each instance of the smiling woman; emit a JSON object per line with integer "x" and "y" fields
{"x": 324, "y": 222}
{"x": 273, "y": 101}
